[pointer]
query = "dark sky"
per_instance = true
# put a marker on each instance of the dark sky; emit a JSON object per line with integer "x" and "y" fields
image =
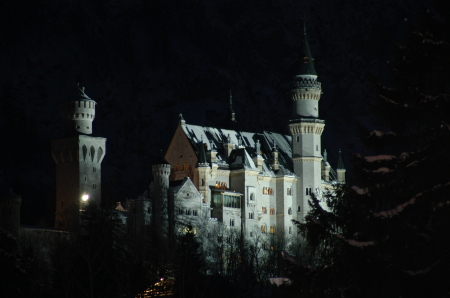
{"x": 144, "y": 62}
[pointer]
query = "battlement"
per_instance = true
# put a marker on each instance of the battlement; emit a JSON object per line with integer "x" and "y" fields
{"x": 78, "y": 116}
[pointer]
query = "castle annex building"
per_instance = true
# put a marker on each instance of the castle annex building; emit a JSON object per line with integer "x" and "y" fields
{"x": 256, "y": 181}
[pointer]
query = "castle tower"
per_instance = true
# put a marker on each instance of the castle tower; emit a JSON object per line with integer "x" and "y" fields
{"x": 202, "y": 173}
{"x": 340, "y": 169}
{"x": 10, "y": 213}
{"x": 162, "y": 209}
{"x": 306, "y": 129}
{"x": 78, "y": 159}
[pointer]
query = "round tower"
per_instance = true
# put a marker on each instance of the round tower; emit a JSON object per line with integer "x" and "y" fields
{"x": 306, "y": 89}
{"x": 78, "y": 113}
{"x": 306, "y": 130}
{"x": 161, "y": 208}
{"x": 10, "y": 213}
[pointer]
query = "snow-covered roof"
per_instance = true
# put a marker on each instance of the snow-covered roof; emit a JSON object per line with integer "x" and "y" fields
{"x": 242, "y": 157}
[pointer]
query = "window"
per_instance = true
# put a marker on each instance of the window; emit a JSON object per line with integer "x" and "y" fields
{"x": 186, "y": 167}
{"x": 62, "y": 203}
{"x": 264, "y": 210}
{"x": 232, "y": 222}
{"x": 289, "y": 191}
{"x": 180, "y": 211}
{"x": 194, "y": 212}
{"x": 267, "y": 191}
{"x": 188, "y": 211}
{"x": 251, "y": 234}
{"x": 272, "y": 210}
{"x": 272, "y": 229}
{"x": 203, "y": 182}
{"x": 298, "y": 209}
{"x": 252, "y": 197}
{"x": 85, "y": 178}
{"x": 263, "y": 228}
{"x": 289, "y": 211}
{"x": 94, "y": 169}
{"x": 298, "y": 138}
{"x": 290, "y": 230}
{"x": 251, "y": 215}
{"x": 308, "y": 191}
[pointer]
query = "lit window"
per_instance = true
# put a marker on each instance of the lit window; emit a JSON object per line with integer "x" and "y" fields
{"x": 272, "y": 229}
{"x": 272, "y": 210}
{"x": 264, "y": 210}
{"x": 263, "y": 228}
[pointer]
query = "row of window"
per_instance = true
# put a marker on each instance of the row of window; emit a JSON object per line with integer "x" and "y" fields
{"x": 221, "y": 185}
{"x": 182, "y": 211}
{"x": 264, "y": 229}
{"x": 264, "y": 210}
{"x": 184, "y": 167}
{"x": 77, "y": 115}
{"x": 267, "y": 191}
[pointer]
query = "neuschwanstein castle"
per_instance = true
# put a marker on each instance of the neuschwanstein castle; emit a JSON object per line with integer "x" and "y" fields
{"x": 252, "y": 181}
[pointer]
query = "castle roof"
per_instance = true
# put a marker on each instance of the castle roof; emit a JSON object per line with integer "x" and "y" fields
{"x": 340, "y": 162}
{"x": 305, "y": 59}
{"x": 242, "y": 157}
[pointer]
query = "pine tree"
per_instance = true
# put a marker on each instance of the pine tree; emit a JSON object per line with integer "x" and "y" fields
{"x": 388, "y": 237}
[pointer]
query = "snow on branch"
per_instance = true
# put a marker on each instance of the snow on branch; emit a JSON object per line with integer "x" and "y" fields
{"x": 396, "y": 210}
{"x": 380, "y": 133}
{"x": 379, "y": 157}
{"x": 354, "y": 242}
{"x": 421, "y": 271}
{"x": 360, "y": 191}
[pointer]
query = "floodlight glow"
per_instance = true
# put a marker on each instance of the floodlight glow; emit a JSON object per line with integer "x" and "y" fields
{"x": 85, "y": 197}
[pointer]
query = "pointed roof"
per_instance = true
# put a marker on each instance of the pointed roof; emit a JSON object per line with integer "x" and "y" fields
{"x": 305, "y": 59}
{"x": 340, "y": 162}
{"x": 161, "y": 160}
{"x": 202, "y": 156}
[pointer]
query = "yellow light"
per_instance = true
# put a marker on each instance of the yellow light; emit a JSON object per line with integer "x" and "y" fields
{"x": 85, "y": 197}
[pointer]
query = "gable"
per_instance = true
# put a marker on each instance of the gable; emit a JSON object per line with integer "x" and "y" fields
{"x": 187, "y": 192}
{"x": 181, "y": 156}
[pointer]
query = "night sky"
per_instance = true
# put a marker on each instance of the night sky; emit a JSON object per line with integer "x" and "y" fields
{"x": 144, "y": 62}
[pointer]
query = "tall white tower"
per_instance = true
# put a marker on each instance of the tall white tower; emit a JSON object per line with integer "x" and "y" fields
{"x": 78, "y": 159}
{"x": 306, "y": 129}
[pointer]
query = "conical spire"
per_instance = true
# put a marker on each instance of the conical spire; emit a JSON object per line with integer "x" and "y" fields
{"x": 161, "y": 160}
{"x": 202, "y": 155}
{"x": 340, "y": 162}
{"x": 305, "y": 58}
{"x": 232, "y": 114}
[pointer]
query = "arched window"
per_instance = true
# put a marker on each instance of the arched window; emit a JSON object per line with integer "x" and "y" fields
{"x": 263, "y": 228}
{"x": 272, "y": 229}
{"x": 290, "y": 211}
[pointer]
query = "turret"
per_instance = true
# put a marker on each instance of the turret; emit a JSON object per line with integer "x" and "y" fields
{"x": 275, "y": 164}
{"x": 258, "y": 159}
{"x": 306, "y": 89}
{"x": 228, "y": 146}
{"x": 326, "y": 168}
{"x": 340, "y": 169}
{"x": 78, "y": 112}
{"x": 161, "y": 208}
